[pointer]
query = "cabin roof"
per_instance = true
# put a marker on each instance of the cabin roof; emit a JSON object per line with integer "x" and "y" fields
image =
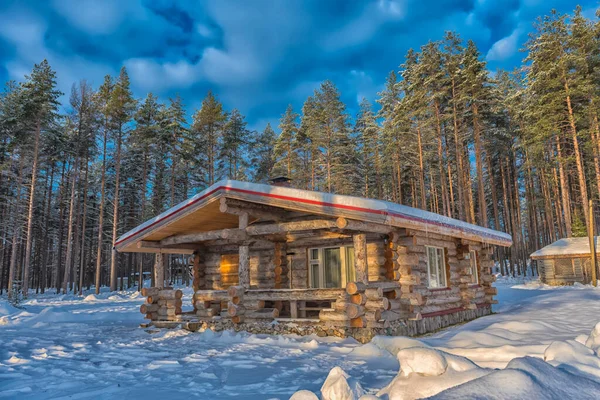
{"x": 566, "y": 248}
{"x": 201, "y": 213}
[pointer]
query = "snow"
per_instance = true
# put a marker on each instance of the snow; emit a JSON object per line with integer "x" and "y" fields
{"x": 574, "y": 246}
{"x": 543, "y": 342}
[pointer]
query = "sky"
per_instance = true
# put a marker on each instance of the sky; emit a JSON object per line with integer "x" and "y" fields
{"x": 255, "y": 55}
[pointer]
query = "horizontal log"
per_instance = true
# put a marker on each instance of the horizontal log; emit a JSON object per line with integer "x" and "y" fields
{"x": 208, "y": 312}
{"x": 235, "y": 309}
{"x": 239, "y": 207}
{"x": 380, "y": 304}
{"x": 392, "y": 315}
{"x": 152, "y": 291}
{"x": 284, "y": 227}
{"x": 170, "y": 294}
{"x": 358, "y": 298}
{"x": 349, "y": 308}
{"x": 332, "y": 315}
{"x": 361, "y": 226}
{"x": 358, "y": 322}
{"x": 229, "y": 234}
{"x": 293, "y": 294}
{"x": 355, "y": 287}
{"x": 373, "y": 315}
{"x": 169, "y": 303}
{"x": 236, "y": 291}
{"x": 148, "y": 308}
{"x": 410, "y": 280}
{"x": 491, "y": 291}
{"x": 415, "y": 299}
{"x": 211, "y": 295}
{"x": 374, "y": 293}
{"x": 263, "y": 313}
{"x": 166, "y": 311}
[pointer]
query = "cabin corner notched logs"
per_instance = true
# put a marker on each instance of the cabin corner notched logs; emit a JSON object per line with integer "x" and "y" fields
{"x": 161, "y": 304}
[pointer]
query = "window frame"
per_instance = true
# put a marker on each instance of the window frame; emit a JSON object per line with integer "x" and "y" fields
{"x": 441, "y": 250}
{"x": 321, "y": 266}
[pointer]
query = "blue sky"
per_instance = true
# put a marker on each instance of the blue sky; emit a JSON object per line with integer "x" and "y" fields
{"x": 259, "y": 55}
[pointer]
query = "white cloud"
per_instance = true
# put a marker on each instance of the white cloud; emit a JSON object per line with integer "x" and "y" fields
{"x": 97, "y": 16}
{"x": 505, "y": 47}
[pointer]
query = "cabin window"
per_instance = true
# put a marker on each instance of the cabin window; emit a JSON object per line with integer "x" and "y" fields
{"x": 436, "y": 267}
{"x": 331, "y": 267}
{"x": 473, "y": 270}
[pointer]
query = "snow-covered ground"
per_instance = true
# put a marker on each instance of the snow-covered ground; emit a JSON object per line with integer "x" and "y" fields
{"x": 92, "y": 347}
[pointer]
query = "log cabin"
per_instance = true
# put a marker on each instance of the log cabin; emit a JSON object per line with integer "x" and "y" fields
{"x": 566, "y": 261}
{"x": 276, "y": 259}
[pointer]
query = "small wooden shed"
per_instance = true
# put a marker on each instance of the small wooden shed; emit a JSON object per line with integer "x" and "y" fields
{"x": 565, "y": 261}
{"x": 277, "y": 259}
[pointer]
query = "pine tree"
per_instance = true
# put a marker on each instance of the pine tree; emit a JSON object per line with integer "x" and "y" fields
{"x": 263, "y": 154}
{"x": 235, "y": 143}
{"x": 284, "y": 153}
{"x": 121, "y": 106}
{"x": 41, "y": 108}
{"x": 207, "y": 129}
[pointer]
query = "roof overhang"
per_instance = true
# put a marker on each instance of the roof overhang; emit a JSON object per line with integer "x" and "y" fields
{"x": 201, "y": 213}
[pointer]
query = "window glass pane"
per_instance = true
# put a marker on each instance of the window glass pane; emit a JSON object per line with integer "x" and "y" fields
{"x": 350, "y": 267}
{"x": 473, "y": 268}
{"x": 433, "y": 269}
{"x": 314, "y": 254}
{"x": 332, "y": 266}
{"x": 314, "y": 275}
{"x": 441, "y": 268}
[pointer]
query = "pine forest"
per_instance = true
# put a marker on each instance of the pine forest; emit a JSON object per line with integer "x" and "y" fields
{"x": 516, "y": 151}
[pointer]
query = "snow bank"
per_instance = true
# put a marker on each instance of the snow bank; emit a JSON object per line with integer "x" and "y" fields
{"x": 304, "y": 395}
{"x": 337, "y": 386}
{"x": 593, "y": 341}
{"x": 525, "y": 378}
{"x": 7, "y": 309}
{"x": 394, "y": 344}
{"x": 426, "y": 372}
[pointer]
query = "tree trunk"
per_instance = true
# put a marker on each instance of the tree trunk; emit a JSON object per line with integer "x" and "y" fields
{"x": 69, "y": 257}
{"x": 566, "y": 202}
{"x": 16, "y": 232}
{"x": 101, "y": 218}
{"x": 29, "y": 239}
{"x": 579, "y": 162}
{"x": 113, "y": 258}
{"x": 479, "y": 165}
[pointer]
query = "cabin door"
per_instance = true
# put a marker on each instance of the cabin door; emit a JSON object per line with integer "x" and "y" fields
{"x": 331, "y": 267}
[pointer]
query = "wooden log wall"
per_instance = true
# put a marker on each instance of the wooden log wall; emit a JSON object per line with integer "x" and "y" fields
{"x": 410, "y": 269}
{"x": 240, "y": 309}
{"x": 366, "y": 305}
{"x": 162, "y": 304}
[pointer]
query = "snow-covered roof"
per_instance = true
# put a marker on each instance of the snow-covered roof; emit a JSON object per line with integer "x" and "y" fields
{"x": 574, "y": 246}
{"x": 378, "y": 211}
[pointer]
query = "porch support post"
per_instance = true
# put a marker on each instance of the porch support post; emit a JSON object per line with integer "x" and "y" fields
{"x": 159, "y": 270}
{"x": 244, "y": 262}
{"x": 360, "y": 257}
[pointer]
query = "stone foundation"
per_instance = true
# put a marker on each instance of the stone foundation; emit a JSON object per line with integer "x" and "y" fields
{"x": 310, "y": 327}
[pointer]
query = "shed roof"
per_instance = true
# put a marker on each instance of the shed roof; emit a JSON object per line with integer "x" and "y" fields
{"x": 566, "y": 248}
{"x": 201, "y": 213}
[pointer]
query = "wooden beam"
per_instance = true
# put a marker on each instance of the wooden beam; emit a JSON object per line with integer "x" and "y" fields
{"x": 353, "y": 225}
{"x": 159, "y": 270}
{"x": 284, "y": 227}
{"x": 244, "y": 260}
{"x": 232, "y": 234}
{"x": 238, "y": 207}
{"x": 360, "y": 257}
{"x": 150, "y": 246}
